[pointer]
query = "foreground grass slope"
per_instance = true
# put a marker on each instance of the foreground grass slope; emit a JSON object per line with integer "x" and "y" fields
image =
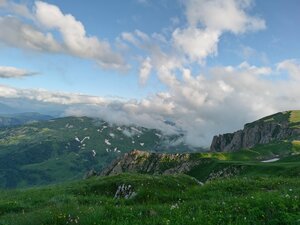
{"x": 158, "y": 200}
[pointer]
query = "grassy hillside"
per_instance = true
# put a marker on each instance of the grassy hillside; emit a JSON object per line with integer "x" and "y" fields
{"x": 157, "y": 200}
{"x": 291, "y": 117}
{"x": 66, "y": 148}
{"x": 254, "y": 161}
{"x": 249, "y": 162}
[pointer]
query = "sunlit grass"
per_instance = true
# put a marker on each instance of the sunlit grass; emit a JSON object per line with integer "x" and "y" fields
{"x": 295, "y": 116}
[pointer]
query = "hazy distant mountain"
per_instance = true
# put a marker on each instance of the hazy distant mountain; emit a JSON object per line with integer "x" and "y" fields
{"x": 21, "y": 118}
{"x": 5, "y": 109}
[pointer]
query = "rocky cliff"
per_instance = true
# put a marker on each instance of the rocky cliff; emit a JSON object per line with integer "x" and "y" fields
{"x": 279, "y": 126}
{"x": 153, "y": 163}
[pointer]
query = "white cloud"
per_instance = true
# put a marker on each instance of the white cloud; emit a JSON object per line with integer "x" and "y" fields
{"x": 129, "y": 37}
{"x": 45, "y": 96}
{"x": 76, "y": 41}
{"x": 291, "y": 66}
{"x": 145, "y": 70}
{"x": 12, "y": 72}
{"x": 222, "y": 15}
{"x": 207, "y": 21}
{"x": 197, "y": 44}
{"x": 20, "y": 33}
{"x": 17, "y": 34}
{"x": 19, "y": 9}
{"x": 255, "y": 70}
{"x": 2, "y": 3}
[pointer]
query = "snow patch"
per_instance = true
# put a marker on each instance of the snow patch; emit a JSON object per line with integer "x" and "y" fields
{"x": 107, "y": 142}
{"x": 136, "y": 130}
{"x": 158, "y": 135}
{"x": 104, "y": 127}
{"x": 270, "y": 160}
{"x": 84, "y": 139}
{"x": 77, "y": 139}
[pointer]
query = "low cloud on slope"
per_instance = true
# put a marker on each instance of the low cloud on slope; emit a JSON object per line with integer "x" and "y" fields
{"x": 200, "y": 106}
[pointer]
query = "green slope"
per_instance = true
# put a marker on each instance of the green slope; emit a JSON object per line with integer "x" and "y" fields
{"x": 248, "y": 162}
{"x": 158, "y": 200}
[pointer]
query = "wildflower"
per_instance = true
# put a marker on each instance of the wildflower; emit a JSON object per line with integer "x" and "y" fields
{"x": 174, "y": 206}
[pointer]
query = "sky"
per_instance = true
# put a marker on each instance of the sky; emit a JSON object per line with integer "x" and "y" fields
{"x": 209, "y": 66}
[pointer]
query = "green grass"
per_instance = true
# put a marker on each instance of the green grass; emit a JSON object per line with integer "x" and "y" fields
{"x": 295, "y": 116}
{"x": 159, "y": 200}
{"x": 257, "y": 153}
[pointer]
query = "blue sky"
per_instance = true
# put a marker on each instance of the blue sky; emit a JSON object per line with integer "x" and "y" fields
{"x": 108, "y": 19}
{"x": 142, "y": 61}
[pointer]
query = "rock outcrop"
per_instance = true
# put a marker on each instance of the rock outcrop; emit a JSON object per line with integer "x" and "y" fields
{"x": 262, "y": 131}
{"x": 153, "y": 163}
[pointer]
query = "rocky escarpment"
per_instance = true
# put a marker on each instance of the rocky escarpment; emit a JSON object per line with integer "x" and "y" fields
{"x": 264, "y": 131}
{"x": 153, "y": 163}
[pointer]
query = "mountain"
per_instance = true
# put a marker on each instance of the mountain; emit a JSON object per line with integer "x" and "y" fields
{"x": 280, "y": 126}
{"x": 5, "y": 109}
{"x": 255, "y": 185}
{"x": 63, "y": 149}
{"x": 21, "y": 118}
{"x": 144, "y": 162}
{"x": 267, "y": 147}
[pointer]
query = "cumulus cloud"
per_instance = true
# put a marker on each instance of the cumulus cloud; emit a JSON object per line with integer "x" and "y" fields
{"x": 193, "y": 42}
{"x": 12, "y": 72}
{"x": 222, "y": 15}
{"x": 17, "y": 32}
{"x": 207, "y": 21}
{"x": 76, "y": 41}
{"x": 196, "y": 43}
{"x": 145, "y": 70}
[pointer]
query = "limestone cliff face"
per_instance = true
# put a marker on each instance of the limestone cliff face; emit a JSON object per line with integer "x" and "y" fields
{"x": 152, "y": 163}
{"x": 259, "y": 132}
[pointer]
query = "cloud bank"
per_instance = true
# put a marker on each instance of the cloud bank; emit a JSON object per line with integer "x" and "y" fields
{"x": 201, "y": 106}
{"x": 12, "y": 72}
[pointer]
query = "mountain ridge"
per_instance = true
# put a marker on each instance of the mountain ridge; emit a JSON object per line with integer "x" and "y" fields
{"x": 279, "y": 126}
